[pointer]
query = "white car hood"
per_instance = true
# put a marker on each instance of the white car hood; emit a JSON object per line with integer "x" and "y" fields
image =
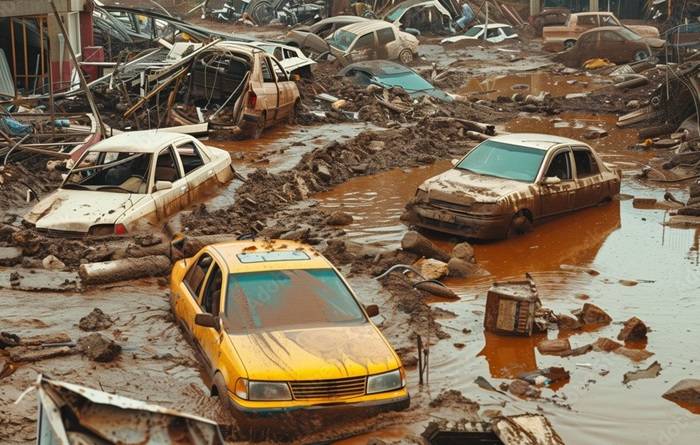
{"x": 78, "y": 210}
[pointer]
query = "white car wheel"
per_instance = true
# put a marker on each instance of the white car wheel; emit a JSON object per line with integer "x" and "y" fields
{"x": 406, "y": 56}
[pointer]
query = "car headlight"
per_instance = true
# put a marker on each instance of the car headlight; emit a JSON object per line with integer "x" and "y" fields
{"x": 262, "y": 391}
{"x": 484, "y": 208}
{"x": 389, "y": 381}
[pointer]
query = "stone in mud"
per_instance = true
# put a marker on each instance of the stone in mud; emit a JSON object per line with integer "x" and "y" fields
{"x": 376, "y": 146}
{"x": 450, "y": 397}
{"x": 464, "y": 252}
{"x": 634, "y": 329}
{"x": 652, "y": 371}
{"x": 99, "y": 348}
{"x": 323, "y": 171}
{"x": 685, "y": 391}
{"x": 557, "y": 346}
{"x": 637, "y": 355}
{"x": 605, "y": 345}
{"x": 592, "y": 314}
{"x": 8, "y": 340}
{"x": 458, "y": 268}
{"x": 581, "y": 350}
{"x": 95, "y": 321}
{"x": 595, "y": 133}
{"x": 99, "y": 253}
{"x": 414, "y": 242}
{"x": 50, "y": 262}
{"x": 567, "y": 323}
{"x": 521, "y": 388}
{"x": 431, "y": 269}
{"x": 339, "y": 218}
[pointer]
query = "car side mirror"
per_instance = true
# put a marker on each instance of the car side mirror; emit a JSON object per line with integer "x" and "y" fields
{"x": 454, "y": 162}
{"x": 163, "y": 185}
{"x": 551, "y": 180}
{"x": 207, "y": 321}
{"x": 372, "y": 310}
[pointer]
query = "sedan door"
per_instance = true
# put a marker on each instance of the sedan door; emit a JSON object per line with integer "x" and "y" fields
{"x": 557, "y": 198}
{"x": 590, "y": 190}
{"x": 270, "y": 88}
{"x": 210, "y": 299}
{"x": 364, "y": 48}
{"x": 186, "y": 304}
{"x": 284, "y": 89}
{"x": 169, "y": 185}
{"x": 197, "y": 167}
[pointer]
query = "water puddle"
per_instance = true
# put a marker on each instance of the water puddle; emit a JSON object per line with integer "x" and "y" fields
{"x": 530, "y": 83}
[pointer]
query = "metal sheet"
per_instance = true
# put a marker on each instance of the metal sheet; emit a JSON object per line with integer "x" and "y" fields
{"x": 7, "y": 84}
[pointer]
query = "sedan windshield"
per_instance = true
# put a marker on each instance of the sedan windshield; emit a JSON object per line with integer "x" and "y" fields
{"x": 504, "y": 161}
{"x": 285, "y": 298}
{"x": 473, "y": 32}
{"x": 121, "y": 172}
{"x": 408, "y": 81}
{"x": 394, "y": 15}
{"x": 342, "y": 39}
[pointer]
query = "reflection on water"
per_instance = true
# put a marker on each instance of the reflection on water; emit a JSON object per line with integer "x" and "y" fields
{"x": 530, "y": 83}
{"x": 509, "y": 357}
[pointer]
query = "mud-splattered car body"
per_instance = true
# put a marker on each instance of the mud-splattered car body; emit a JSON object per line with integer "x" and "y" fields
{"x": 373, "y": 39}
{"x": 130, "y": 182}
{"x": 311, "y": 38}
{"x": 509, "y": 182}
{"x": 280, "y": 330}
{"x": 557, "y": 38}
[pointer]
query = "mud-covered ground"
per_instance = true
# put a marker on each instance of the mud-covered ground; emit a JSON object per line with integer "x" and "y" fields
{"x": 368, "y": 167}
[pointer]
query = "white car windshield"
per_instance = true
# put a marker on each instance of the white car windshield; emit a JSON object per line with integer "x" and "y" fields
{"x": 120, "y": 172}
{"x": 473, "y": 32}
{"x": 504, "y": 161}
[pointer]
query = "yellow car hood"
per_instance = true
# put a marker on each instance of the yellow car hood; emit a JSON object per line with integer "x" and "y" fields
{"x": 315, "y": 353}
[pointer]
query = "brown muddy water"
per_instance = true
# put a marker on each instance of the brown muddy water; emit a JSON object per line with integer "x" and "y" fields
{"x": 625, "y": 244}
{"x": 531, "y": 83}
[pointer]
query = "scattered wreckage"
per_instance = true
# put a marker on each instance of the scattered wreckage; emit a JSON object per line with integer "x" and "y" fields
{"x": 292, "y": 59}
{"x": 130, "y": 182}
{"x": 495, "y": 33}
{"x": 421, "y": 16}
{"x": 387, "y": 74}
{"x": 374, "y": 39}
{"x": 296, "y": 336}
{"x": 614, "y": 43}
{"x": 557, "y": 38}
{"x": 507, "y": 183}
{"x": 74, "y": 414}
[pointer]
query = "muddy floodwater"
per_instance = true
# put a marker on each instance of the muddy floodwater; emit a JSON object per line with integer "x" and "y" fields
{"x": 645, "y": 270}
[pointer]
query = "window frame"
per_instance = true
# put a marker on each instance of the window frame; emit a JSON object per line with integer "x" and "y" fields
{"x": 178, "y": 165}
{"x": 354, "y": 47}
{"x": 197, "y": 151}
{"x": 188, "y": 275}
{"x": 393, "y": 36}
{"x": 206, "y": 282}
{"x": 591, "y": 156}
{"x": 555, "y": 153}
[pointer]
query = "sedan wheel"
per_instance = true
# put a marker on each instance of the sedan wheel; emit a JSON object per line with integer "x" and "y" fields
{"x": 569, "y": 44}
{"x": 406, "y": 56}
{"x": 640, "y": 55}
{"x": 520, "y": 224}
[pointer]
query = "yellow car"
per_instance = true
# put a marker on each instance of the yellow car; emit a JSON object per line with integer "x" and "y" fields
{"x": 280, "y": 330}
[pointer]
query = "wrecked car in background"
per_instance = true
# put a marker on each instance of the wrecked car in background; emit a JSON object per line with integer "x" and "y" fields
{"x": 549, "y": 17}
{"x": 374, "y": 39}
{"x": 614, "y": 43}
{"x": 249, "y": 88}
{"x": 495, "y": 33}
{"x": 74, "y": 414}
{"x": 311, "y": 39}
{"x": 508, "y": 183}
{"x": 389, "y": 74}
{"x": 280, "y": 330}
{"x": 130, "y": 182}
{"x": 420, "y": 16}
{"x": 292, "y": 59}
{"x": 557, "y": 38}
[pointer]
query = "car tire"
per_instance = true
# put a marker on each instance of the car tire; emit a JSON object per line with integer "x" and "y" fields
{"x": 519, "y": 225}
{"x": 641, "y": 55}
{"x": 406, "y": 56}
{"x": 222, "y": 394}
{"x": 569, "y": 44}
{"x": 259, "y": 126}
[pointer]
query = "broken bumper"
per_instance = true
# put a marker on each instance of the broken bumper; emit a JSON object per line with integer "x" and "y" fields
{"x": 486, "y": 227}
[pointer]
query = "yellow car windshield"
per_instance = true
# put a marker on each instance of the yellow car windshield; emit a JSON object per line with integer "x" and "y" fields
{"x": 288, "y": 298}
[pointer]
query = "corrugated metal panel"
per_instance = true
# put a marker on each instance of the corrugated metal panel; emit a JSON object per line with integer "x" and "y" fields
{"x": 7, "y": 84}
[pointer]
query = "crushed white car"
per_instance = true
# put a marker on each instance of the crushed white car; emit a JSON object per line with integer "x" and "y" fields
{"x": 292, "y": 59}
{"x": 495, "y": 33}
{"x": 129, "y": 183}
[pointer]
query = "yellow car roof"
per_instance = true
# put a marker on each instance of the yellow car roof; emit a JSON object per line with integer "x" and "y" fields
{"x": 261, "y": 255}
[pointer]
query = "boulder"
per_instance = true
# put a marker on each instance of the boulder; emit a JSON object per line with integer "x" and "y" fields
{"x": 459, "y": 268}
{"x": 685, "y": 391}
{"x": 339, "y": 218}
{"x": 463, "y": 251}
{"x": 634, "y": 329}
{"x": 557, "y": 346}
{"x": 99, "y": 348}
{"x": 592, "y": 314}
{"x": 95, "y": 321}
{"x": 567, "y": 323}
{"x": 50, "y": 262}
{"x": 431, "y": 269}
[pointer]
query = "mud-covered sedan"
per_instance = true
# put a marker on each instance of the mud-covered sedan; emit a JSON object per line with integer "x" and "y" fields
{"x": 130, "y": 182}
{"x": 507, "y": 183}
{"x": 280, "y": 330}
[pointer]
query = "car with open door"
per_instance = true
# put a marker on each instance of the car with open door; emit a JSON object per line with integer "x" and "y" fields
{"x": 129, "y": 183}
{"x": 278, "y": 329}
{"x": 508, "y": 183}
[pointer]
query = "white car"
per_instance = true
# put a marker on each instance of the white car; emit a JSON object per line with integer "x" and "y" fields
{"x": 292, "y": 59}
{"x": 370, "y": 40}
{"x": 495, "y": 33}
{"x": 130, "y": 182}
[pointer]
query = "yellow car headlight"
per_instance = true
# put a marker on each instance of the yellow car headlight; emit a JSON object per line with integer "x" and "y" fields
{"x": 263, "y": 391}
{"x": 389, "y": 381}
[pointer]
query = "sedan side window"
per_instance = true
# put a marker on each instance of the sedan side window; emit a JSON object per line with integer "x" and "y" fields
{"x": 266, "y": 70}
{"x": 212, "y": 291}
{"x": 364, "y": 42}
{"x": 611, "y": 37}
{"x": 492, "y": 33}
{"x": 586, "y": 165}
{"x": 195, "y": 276}
{"x": 279, "y": 71}
{"x": 190, "y": 156}
{"x": 608, "y": 20}
{"x": 385, "y": 35}
{"x": 166, "y": 167}
{"x": 588, "y": 21}
{"x": 560, "y": 166}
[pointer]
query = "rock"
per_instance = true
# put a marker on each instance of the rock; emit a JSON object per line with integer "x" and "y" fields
{"x": 637, "y": 355}
{"x": 634, "y": 329}
{"x": 339, "y": 218}
{"x": 376, "y": 146}
{"x": 567, "y": 323}
{"x": 652, "y": 371}
{"x": 557, "y": 346}
{"x": 632, "y": 105}
{"x": 50, "y": 262}
{"x": 458, "y": 268}
{"x": 323, "y": 171}
{"x": 581, "y": 350}
{"x": 450, "y": 397}
{"x": 95, "y": 321}
{"x": 685, "y": 391}
{"x": 10, "y": 256}
{"x": 595, "y": 133}
{"x": 99, "y": 253}
{"x": 523, "y": 389}
{"x": 339, "y": 104}
{"x": 416, "y": 243}
{"x": 463, "y": 251}
{"x": 606, "y": 345}
{"x": 431, "y": 269}
{"x": 8, "y": 340}
{"x": 99, "y": 348}
{"x": 592, "y": 314}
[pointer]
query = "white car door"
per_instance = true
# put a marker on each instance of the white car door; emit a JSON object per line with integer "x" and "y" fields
{"x": 197, "y": 166}
{"x": 170, "y": 190}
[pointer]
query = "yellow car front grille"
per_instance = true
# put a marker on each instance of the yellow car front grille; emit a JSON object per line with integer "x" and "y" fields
{"x": 323, "y": 389}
